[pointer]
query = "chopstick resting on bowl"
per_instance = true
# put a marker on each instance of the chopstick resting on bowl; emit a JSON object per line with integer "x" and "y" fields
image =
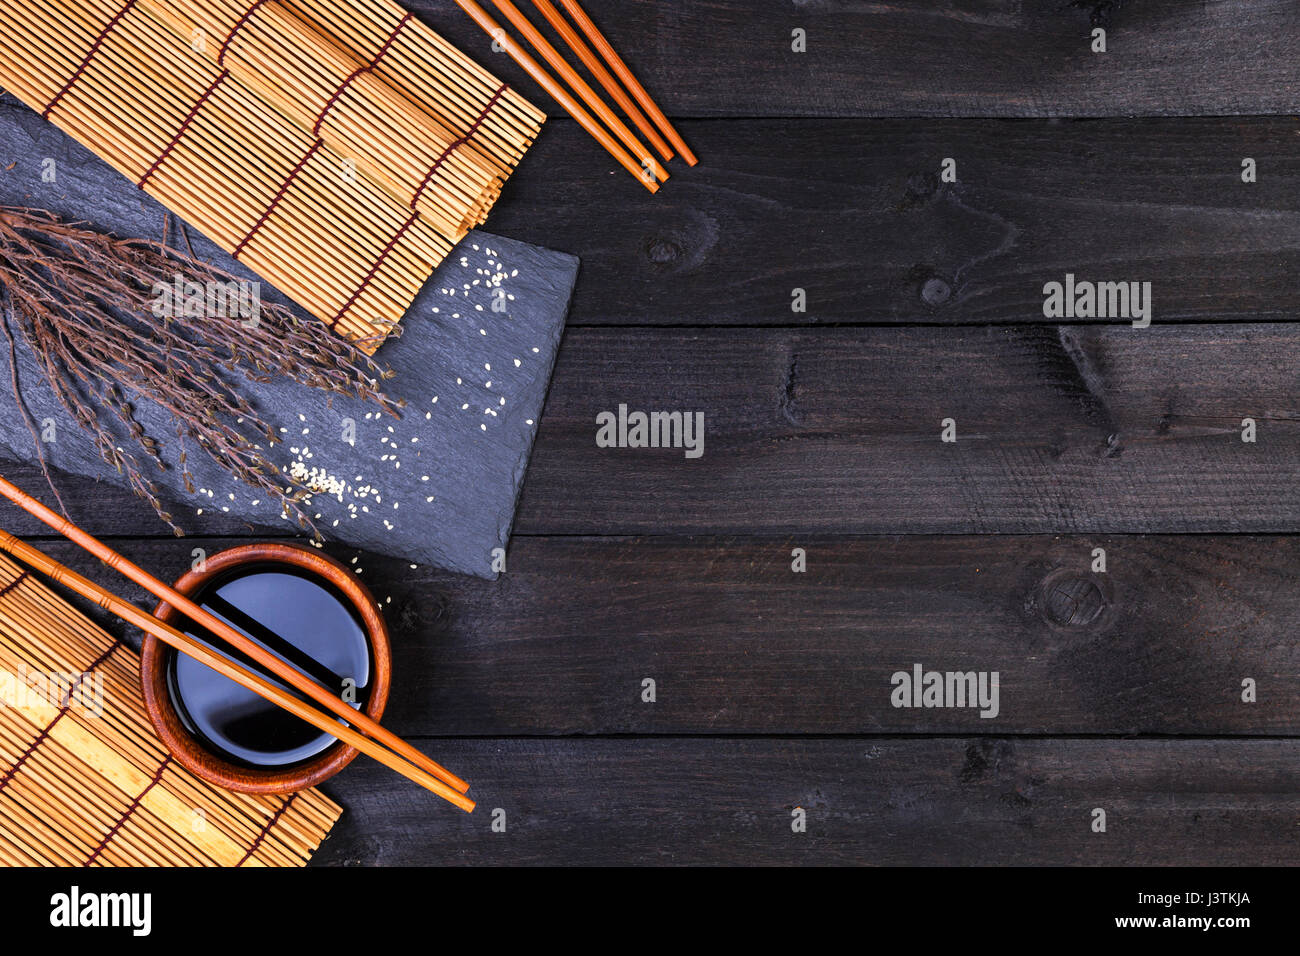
{"x": 61, "y": 574}
{"x": 449, "y": 786}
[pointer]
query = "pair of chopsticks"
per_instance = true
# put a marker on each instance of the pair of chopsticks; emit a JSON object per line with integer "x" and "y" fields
{"x": 623, "y": 145}
{"x": 365, "y": 734}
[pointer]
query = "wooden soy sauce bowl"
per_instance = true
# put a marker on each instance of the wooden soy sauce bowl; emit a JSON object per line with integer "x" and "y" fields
{"x": 156, "y": 657}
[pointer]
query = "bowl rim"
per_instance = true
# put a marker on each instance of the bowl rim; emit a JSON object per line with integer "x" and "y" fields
{"x": 192, "y": 754}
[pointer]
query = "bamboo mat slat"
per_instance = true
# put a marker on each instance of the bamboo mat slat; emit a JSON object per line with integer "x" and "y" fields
{"x": 83, "y": 779}
{"x": 338, "y": 148}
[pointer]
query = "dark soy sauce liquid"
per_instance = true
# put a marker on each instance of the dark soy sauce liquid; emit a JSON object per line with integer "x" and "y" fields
{"x": 300, "y": 618}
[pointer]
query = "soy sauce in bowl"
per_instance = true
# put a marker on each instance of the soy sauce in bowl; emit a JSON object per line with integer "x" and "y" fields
{"x": 307, "y": 609}
{"x": 298, "y": 617}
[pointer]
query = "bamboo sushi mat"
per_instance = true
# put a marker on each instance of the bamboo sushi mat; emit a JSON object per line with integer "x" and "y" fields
{"x": 87, "y": 785}
{"x": 338, "y": 148}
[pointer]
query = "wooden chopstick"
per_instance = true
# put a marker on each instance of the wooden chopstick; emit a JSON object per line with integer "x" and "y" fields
{"x": 219, "y": 628}
{"x": 558, "y": 93}
{"x": 602, "y": 75}
{"x": 616, "y": 63}
{"x": 204, "y": 655}
{"x": 580, "y": 86}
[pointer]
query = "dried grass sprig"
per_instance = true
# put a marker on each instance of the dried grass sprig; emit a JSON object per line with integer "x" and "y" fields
{"x": 85, "y": 304}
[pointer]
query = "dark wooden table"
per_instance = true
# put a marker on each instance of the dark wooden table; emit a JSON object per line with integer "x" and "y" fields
{"x": 1119, "y": 690}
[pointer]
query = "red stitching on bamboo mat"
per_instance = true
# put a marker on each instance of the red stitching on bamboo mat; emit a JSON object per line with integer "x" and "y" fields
{"x": 129, "y": 810}
{"x": 185, "y": 124}
{"x": 14, "y": 583}
{"x": 275, "y": 200}
{"x": 456, "y": 144}
{"x": 63, "y": 708}
{"x": 329, "y": 104}
{"x": 267, "y": 829}
{"x": 239, "y": 25}
{"x": 90, "y": 55}
{"x": 374, "y": 270}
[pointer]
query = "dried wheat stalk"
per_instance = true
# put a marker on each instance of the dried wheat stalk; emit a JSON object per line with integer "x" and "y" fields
{"x": 83, "y": 303}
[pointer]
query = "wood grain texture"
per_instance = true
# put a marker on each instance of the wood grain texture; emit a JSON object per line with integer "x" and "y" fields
{"x": 854, "y": 213}
{"x": 869, "y": 801}
{"x": 1059, "y": 430}
{"x": 739, "y": 644}
{"x": 920, "y": 58}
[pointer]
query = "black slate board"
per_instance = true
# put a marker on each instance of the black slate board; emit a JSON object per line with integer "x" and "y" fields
{"x": 451, "y": 501}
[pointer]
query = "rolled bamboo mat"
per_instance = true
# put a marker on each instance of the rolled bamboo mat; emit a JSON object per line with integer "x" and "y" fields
{"x": 339, "y": 149}
{"x": 344, "y": 82}
{"x": 83, "y": 779}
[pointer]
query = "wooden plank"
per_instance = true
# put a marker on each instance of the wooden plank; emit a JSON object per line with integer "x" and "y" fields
{"x": 936, "y": 57}
{"x": 868, "y": 800}
{"x": 854, "y": 213}
{"x": 1082, "y": 429}
{"x": 103, "y": 509}
{"x": 737, "y": 643}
